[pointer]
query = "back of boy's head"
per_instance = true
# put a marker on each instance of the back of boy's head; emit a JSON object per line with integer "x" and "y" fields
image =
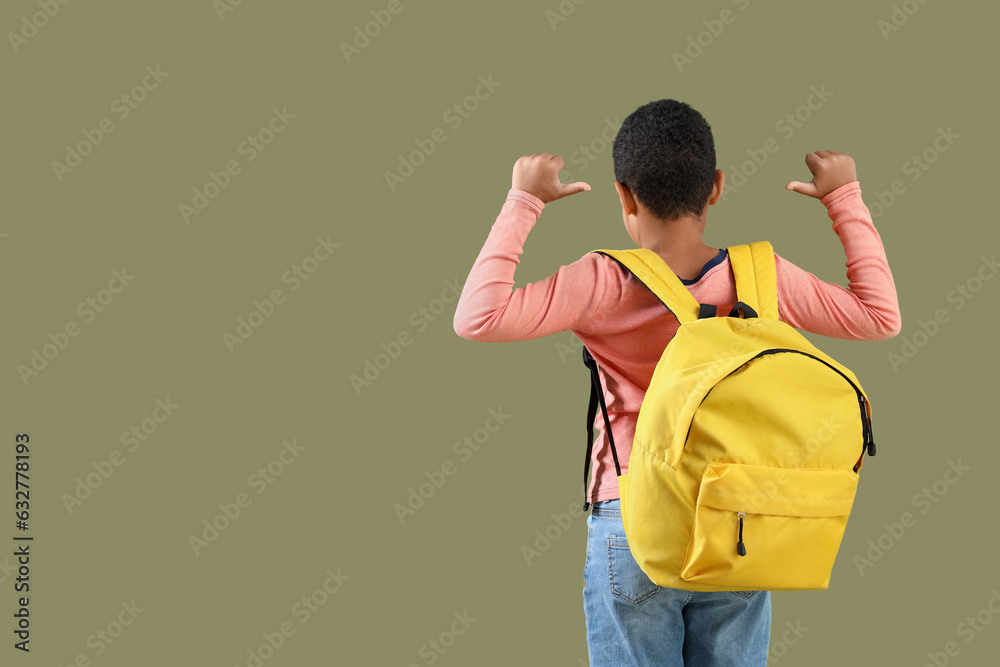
{"x": 665, "y": 153}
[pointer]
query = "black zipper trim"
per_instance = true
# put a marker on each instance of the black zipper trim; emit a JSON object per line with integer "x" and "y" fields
{"x": 867, "y": 444}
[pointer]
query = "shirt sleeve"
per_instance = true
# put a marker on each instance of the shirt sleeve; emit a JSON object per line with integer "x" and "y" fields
{"x": 866, "y": 310}
{"x": 490, "y": 310}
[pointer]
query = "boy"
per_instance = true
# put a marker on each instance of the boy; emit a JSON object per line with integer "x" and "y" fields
{"x": 664, "y": 163}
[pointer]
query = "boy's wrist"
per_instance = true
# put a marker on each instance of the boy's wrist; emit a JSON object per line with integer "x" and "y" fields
{"x": 840, "y": 192}
{"x": 527, "y": 198}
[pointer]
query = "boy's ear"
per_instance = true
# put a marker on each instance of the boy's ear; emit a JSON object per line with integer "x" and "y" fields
{"x": 628, "y": 201}
{"x": 720, "y": 181}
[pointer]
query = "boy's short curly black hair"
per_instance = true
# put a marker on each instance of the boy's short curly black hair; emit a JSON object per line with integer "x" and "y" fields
{"x": 665, "y": 153}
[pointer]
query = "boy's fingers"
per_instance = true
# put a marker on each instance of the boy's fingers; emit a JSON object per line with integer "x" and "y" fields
{"x": 567, "y": 189}
{"x": 573, "y": 188}
{"x": 803, "y": 188}
{"x": 813, "y": 160}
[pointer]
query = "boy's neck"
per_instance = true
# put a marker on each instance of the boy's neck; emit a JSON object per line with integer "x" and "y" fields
{"x": 681, "y": 238}
{"x": 680, "y": 241}
{"x": 688, "y": 266}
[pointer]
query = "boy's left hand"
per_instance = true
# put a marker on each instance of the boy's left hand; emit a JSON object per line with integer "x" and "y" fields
{"x": 539, "y": 175}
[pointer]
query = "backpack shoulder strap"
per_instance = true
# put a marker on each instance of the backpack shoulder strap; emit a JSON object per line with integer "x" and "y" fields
{"x": 756, "y": 277}
{"x": 655, "y": 274}
{"x": 753, "y": 268}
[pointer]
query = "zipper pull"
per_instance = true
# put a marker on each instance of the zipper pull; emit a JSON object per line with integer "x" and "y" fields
{"x": 870, "y": 437}
{"x": 740, "y": 547}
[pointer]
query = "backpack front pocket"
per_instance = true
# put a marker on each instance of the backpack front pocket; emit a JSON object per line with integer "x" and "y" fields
{"x": 764, "y": 528}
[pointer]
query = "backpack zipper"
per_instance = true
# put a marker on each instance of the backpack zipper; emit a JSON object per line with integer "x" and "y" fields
{"x": 868, "y": 423}
{"x": 867, "y": 443}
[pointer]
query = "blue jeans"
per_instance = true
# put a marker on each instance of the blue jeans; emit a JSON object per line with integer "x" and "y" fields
{"x": 632, "y": 622}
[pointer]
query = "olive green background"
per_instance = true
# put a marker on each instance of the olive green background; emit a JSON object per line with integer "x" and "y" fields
{"x": 324, "y": 175}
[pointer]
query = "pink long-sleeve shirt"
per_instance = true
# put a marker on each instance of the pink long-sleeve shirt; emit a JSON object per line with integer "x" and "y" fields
{"x": 626, "y": 328}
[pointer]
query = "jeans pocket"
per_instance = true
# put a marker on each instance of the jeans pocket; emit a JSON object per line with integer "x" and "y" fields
{"x": 745, "y": 594}
{"x": 628, "y": 582}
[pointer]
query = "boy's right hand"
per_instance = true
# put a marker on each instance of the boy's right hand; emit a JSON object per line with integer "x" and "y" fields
{"x": 830, "y": 171}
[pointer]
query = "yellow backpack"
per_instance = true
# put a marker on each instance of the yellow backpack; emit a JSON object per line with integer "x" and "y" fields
{"x": 748, "y": 442}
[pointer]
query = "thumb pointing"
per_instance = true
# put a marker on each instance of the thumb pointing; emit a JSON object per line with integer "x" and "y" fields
{"x": 803, "y": 188}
